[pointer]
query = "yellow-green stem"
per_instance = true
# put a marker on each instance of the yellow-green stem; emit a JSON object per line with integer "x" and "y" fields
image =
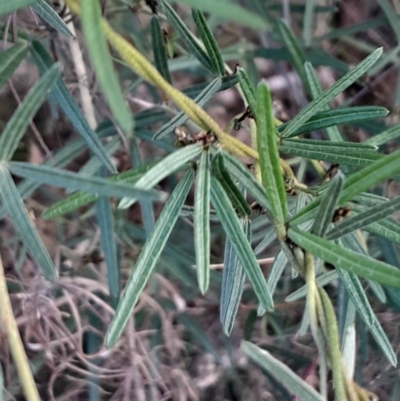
{"x": 333, "y": 346}
{"x": 145, "y": 69}
{"x": 9, "y": 325}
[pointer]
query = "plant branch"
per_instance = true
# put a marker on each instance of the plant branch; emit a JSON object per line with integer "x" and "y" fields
{"x": 14, "y": 341}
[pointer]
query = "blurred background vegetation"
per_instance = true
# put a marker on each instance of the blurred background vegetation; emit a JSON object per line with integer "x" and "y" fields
{"x": 176, "y": 349}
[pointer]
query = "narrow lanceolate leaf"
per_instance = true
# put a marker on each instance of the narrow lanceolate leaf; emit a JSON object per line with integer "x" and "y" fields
{"x": 73, "y": 181}
{"x": 382, "y": 340}
{"x": 316, "y": 90}
{"x": 229, "y": 11}
{"x": 384, "y": 137}
{"x": 8, "y": 6}
{"x": 47, "y": 13}
{"x": 246, "y": 179}
{"x": 233, "y": 277}
{"x": 148, "y": 258}
{"x": 308, "y": 22}
{"x": 202, "y": 221}
{"x": 80, "y": 199}
{"x": 327, "y": 207}
{"x": 274, "y": 275}
{"x": 329, "y": 118}
{"x": 68, "y": 105}
{"x": 101, "y": 59}
{"x": 23, "y": 224}
{"x": 363, "y": 307}
{"x": 248, "y": 90}
{"x": 391, "y": 16}
{"x": 385, "y": 228}
{"x": 295, "y": 53}
{"x": 295, "y": 384}
{"x": 18, "y": 123}
{"x": 267, "y": 147}
{"x": 334, "y": 152}
{"x": 226, "y": 83}
{"x": 240, "y": 243}
{"x": 190, "y": 41}
{"x": 106, "y": 224}
{"x": 358, "y": 182}
{"x": 159, "y": 51}
{"x": 357, "y": 295}
{"x": 10, "y": 59}
{"x": 236, "y": 197}
{"x": 201, "y": 99}
{"x": 170, "y": 164}
{"x": 320, "y": 102}
{"x": 346, "y": 259}
{"x": 210, "y": 43}
{"x": 365, "y": 218}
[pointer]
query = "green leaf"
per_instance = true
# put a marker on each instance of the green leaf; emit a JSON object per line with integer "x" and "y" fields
{"x": 205, "y": 95}
{"x": 267, "y": 147}
{"x": 47, "y": 13}
{"x": 385, "y": 228}
{"x": 346, "y": 153}
{"x": 358, "y": 182}
{"x": 191, "y": 42}
{"x": 357, "y": 295}
{"x": 274, "y": 275}
{"x": 384, "y": 137}
{"x": 316, "y": 90}
{"x": 346, "y": 259}
{"x": 337, "y": 88}
{"x": 322, "y": 280}
{"x": 226, "y": 83}
{"x": 18, "y": 123}
{"x": 148, "y": 258}
{"x": 102, "y": 63}
{"x": 202, "y": 221}
{"x": 391, "y": 17}
{"x": 296, "y": 54}
{"x": 10, "y": 59}
{"x": 365, "y": 218}
{"x": 246, "y": 179}
{"x": 276, "y": 271}
{"x": 327, "y": 207}
{"x": 383, "y": 342}
{"x": 236, "y": 197}
{"x": 24, "y": 226}
{"x": 170, "y": 164}
{"x": 240, "y": 243}
{"x": 60, "y": 159}
{"x": 329, "y": 118}
{"x": 73, "y": 181}
{"x": 210, "y": 43}
{"x": 69, "y": 107}
{"x": 106, "y": 225}
{"x": 233, "y": 278}
{"x": 146, "y": 207}
{"x": 8, "y": 6}
{"x": 228, "y": 11}
{"x": 308, "y": 21}
{"x": 315, "y": 55}
{"x": 351, "y": 242}
{"x": 280, "y": 372}
{"x": 248, "y": 90}
{"x": 159, "y": 52}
